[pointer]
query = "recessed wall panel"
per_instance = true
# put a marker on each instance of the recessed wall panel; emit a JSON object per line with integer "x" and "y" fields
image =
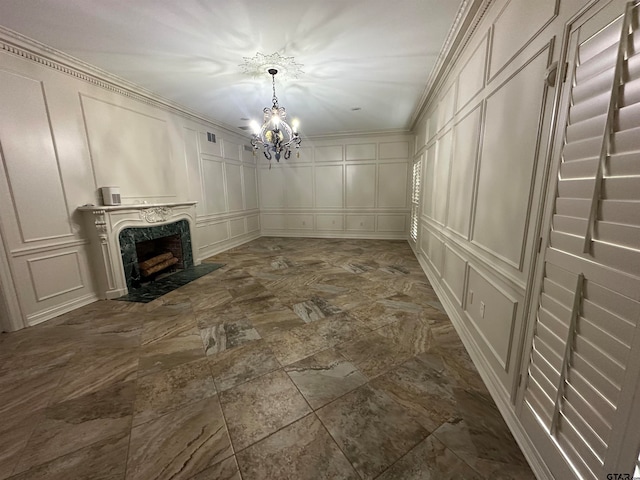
{"x": 253, "y": 223}
{"x": 493, "y": 313}
{"x": 56, "y": 274}
{"x": 250, "y": 187}
{"x": 436, "y": 253}
{"x": 234, "y": 186}
{"x": 394, "y": 150}
{"x": 392, "y": 185}
{"x": 271, "y": 188}
{"x": 428, "y": 181}
{"x": 361, "y": 185}
{"x": 214, "y": 186}
{"x": 392, "y": 223}
{"x": 432, "y": 127}
{"x": 441, "y": 176}
{"x": 299, "y": 187}
{"x": 421, "y": 135}
{"x": 330, "y": 153}
{"x": 299, "y": 222}
{"x": 507, "y": 162}
{"x": 463, "y": 164}
{"x": 329, "y": 186}
{"x": 510, "y": 33}
{"x": 231, "y": 150}
{"x": 193, "y": 168}
{"x": 210, "y": 234}
{"x": 366, "y": 151}
{"x": 130, "y": 149}
{"x": 30, "y": 159}
{"x": 472, "y": 76}
{"x": 236, "y": 227}
{"x": 361, "y": 223}
{"x": 446, "y": 106}
{"x": 425, "y": 237}
{"x": 270, "y": 221}
{"x": 330, "y": 222}
{"x": 453, "y": 273}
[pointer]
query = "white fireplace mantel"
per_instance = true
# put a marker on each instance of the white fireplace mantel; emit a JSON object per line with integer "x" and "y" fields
{"x": 104, "y": 224}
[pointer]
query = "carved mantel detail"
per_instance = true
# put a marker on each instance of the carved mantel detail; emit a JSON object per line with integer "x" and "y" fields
{"x": 101, "y": 224}
{"x": 156, "y": 214}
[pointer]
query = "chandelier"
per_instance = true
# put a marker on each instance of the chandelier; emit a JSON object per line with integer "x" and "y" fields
{"x": 275, "y": 136}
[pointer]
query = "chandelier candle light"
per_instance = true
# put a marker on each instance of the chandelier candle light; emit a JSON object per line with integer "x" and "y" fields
{"x": 275, "y": 136}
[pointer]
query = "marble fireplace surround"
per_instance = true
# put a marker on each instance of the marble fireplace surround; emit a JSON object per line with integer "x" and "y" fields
{"x": 104, "y": 225}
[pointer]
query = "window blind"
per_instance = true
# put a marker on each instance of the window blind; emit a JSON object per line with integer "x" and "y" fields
{"x": 415, "y": 199}
{"x": 589, "y": 302}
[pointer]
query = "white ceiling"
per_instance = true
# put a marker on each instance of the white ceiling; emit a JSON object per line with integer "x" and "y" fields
{"x": 372, "y": 54}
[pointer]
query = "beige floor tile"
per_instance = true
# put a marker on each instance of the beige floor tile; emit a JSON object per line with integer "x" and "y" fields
{"x": 104, "y": 460}
{"x": 169, "y": 390}
{"x": 260, "y": 407}
{"x": 179, "y": 444}
{"x": 301, "y": 451}
{"x": 241, "y": 364}
{"x": 371, "y": 429}
{"x": 324, "y": 377}
{"x": 70, "y": 425}
{"x": 430, "y": 459}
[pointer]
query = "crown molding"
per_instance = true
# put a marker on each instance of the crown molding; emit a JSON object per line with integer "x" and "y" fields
{"x": 469, "y": 16}
{"x": 29, "y": 49}
{"x": 355, "y": 133}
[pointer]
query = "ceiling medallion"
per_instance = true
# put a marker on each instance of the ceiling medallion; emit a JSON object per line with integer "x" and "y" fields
{"x": 257, "y": 65}
{"x": 275, "y": 136}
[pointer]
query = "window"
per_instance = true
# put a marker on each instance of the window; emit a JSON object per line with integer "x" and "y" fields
{"x": 415, "y": 199}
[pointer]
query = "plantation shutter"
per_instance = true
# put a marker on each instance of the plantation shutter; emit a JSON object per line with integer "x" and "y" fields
{"x": 589, "y": 302}
{"x": 415, "y": 198}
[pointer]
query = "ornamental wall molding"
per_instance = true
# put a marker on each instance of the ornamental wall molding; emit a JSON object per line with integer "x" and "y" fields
{"x": 468, "y": 18}
{"x": 156, "y": 214}
{"x": 29, "y": 49}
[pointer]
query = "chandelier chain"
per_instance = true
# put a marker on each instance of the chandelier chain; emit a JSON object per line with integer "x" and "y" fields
{"x": 273, "y": 83}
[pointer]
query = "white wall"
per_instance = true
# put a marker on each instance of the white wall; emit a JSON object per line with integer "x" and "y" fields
{"x": 63, "y": 135}
{"x": 339, "y": 187}
{"x": 484, "y": 137}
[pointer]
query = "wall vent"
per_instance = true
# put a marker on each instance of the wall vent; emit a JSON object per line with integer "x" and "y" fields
{"x": 211, "y": 137}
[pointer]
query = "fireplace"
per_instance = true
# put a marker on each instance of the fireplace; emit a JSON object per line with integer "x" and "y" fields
{"x": 144, "y": 249}
{"x": 123, "y": 236}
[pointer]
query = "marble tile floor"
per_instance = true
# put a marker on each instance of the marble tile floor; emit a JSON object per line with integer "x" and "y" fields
{"x": 299, "y": 359}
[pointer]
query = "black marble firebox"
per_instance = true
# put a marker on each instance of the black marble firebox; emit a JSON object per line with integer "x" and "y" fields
{"x": 130, "y": 236}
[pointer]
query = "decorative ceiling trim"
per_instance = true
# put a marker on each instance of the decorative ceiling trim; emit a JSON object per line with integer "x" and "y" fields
{"x": 466, "y": 23}
{"x": 29, "y": 49}
{"x": 354, "y": 133}
{"x": 260, "y": 64}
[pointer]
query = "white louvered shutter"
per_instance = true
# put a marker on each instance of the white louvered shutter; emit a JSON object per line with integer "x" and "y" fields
{"x": 415, "y": 198}
{"x": 589, "y": 304}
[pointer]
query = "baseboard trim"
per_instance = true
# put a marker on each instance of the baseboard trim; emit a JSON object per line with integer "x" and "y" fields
{"x": 497, "y": 391}
{"x": 225, "y": 245}
{"x": 354, "y": 235}
{"x": 44, "y": 315}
